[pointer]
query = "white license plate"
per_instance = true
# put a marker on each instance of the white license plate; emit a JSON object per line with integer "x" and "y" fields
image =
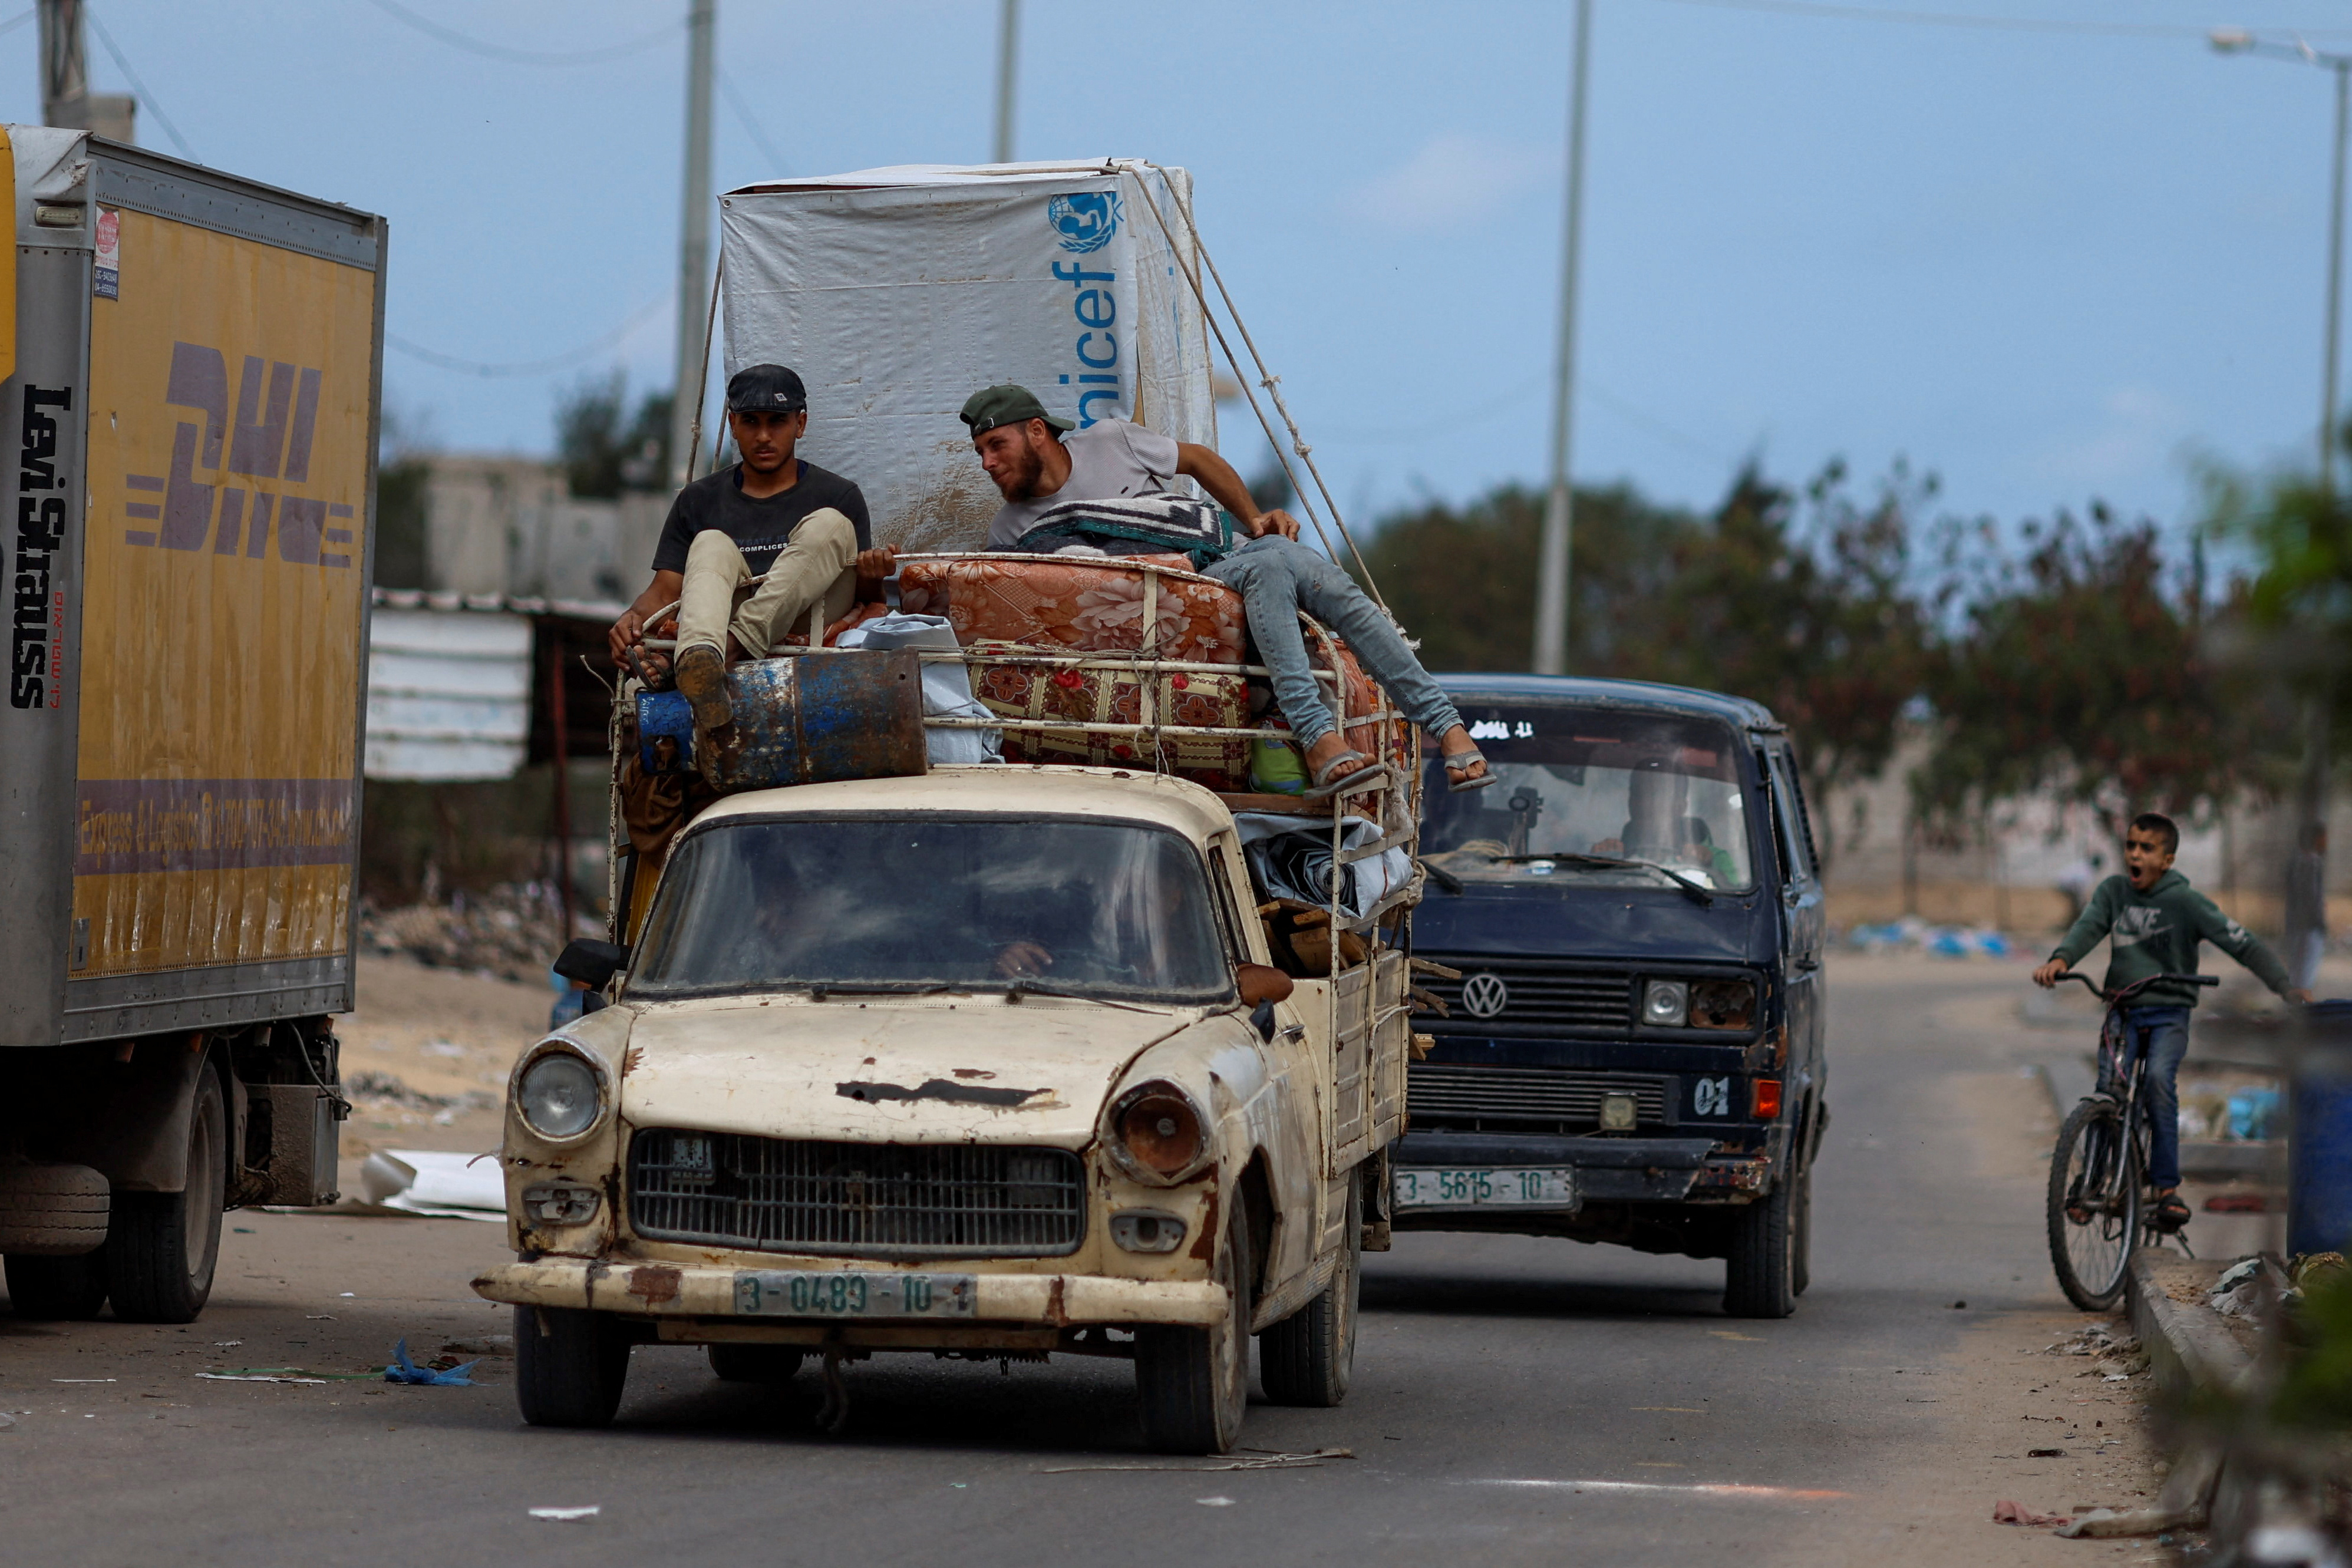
{"x": 846, "y": 1294}
{"x": 1484, "y": 1188}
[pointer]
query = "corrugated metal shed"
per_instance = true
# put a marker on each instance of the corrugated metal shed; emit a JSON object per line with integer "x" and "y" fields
{"x": 448, "y": 693}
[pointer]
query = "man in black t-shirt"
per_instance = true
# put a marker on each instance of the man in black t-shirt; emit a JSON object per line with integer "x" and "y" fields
{"x": 774, "y": 514}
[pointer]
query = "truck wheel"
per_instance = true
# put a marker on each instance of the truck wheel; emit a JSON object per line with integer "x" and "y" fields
{"x": 1309, "y": 1357}
{"x": 1194, "y": 1382}
{"x": 1760, "y": 1280}
{"x": 57, "y": 1289}
{"x": 161, "y": 1246}
{"x": 571, "y": 1366}
{"x": 52, "y": 1211}
{"x": 755, "y": 1363}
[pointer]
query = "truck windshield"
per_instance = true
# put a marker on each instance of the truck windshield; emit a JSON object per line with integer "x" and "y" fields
{"x": 1088, "y": 908}
{"x": 1585, "y": 794}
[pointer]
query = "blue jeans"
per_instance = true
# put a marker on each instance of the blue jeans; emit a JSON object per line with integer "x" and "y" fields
{"x": 1276, "y": 579}
{"x": 2163, "y": 1034}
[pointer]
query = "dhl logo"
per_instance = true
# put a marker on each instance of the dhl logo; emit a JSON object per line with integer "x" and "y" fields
{"x": 270, "y": 439}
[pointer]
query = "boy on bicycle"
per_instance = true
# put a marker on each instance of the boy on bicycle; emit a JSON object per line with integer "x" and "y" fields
{"x": 2153, "y": 920}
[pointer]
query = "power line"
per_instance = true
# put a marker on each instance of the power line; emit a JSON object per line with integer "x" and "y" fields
{"x": 1982, "y": 24}
{"x": 528, "y": 367}
{"x": 736, "y": 102}
{"x": 146, "y": 99}
{"x": 13, "y": 23}
{"x": 455, "y": 39}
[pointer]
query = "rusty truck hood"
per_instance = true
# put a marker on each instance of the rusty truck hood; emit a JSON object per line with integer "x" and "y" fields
{"x": 948, "y": 1069}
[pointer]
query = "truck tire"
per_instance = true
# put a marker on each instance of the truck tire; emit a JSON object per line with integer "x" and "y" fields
{"x": 52, "y": 1211}
{"x": 57, "y": 1289}
{"x": 162, "y": 1247}
{"x": 755, "y": 1363}
{"x": 571, "y": 1365}
{"x": 1760, "y": 1280}
{"x": 1194, "y": 1382}
{"x": 1802, "y": 1217}
{"x": 1309, "y": 1357}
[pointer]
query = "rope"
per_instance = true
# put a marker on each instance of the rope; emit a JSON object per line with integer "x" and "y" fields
{"x": 1266, "y": 378}
{"x": 702, "y": 387}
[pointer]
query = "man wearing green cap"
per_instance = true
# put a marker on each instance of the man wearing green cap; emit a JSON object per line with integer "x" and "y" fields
{"x": 1039, "y": 462}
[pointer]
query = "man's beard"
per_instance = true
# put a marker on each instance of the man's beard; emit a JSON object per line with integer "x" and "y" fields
{"x": 1020, "y": 483}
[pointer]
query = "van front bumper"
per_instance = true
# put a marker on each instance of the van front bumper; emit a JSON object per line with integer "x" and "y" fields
{"x": 692, "y": 1290}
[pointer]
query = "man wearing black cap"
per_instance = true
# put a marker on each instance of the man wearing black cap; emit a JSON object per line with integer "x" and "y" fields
{"x": 773, "y": 514}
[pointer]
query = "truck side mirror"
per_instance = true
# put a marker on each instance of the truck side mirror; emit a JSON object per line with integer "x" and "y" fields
{"x": 591, "y": 963}
{"x": 1262, "y": 983}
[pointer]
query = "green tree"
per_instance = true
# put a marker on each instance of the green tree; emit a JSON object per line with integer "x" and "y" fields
{"x": 604, "y": 448}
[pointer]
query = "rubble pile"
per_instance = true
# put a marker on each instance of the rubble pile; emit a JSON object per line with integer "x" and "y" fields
{"x": 382, "y": 1094}
{"x": 514, "y": 931}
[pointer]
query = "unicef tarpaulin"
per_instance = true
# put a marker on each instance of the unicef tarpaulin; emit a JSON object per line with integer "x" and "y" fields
{"x": 896, "y": 293}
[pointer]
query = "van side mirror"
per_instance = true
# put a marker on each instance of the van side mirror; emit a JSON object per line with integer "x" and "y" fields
{"x": 591, "y": 963}
{"x": 1262, "y": 983}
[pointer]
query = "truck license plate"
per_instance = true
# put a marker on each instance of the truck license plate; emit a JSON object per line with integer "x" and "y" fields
{"x": 790, "y": 1293}
{"x": 1426, "y": 1187}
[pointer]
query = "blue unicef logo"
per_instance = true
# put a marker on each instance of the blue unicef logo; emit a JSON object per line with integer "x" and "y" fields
{"x": 1086, "y": 220}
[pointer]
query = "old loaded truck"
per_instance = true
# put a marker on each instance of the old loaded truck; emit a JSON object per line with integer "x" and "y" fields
{"x": 190, "y": 397}
{"x": 1081, "y": 1050}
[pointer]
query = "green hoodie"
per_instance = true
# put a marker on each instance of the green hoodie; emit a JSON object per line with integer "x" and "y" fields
{"x": 2157, "y": 933}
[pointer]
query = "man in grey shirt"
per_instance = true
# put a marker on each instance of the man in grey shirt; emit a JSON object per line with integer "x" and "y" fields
{"x": 1038, "y": 461}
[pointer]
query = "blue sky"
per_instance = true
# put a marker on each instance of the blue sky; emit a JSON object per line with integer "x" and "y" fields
{"x": 2046, "y": 265}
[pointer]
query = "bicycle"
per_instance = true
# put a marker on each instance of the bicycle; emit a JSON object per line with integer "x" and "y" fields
{"x": 2098, "y": 1207}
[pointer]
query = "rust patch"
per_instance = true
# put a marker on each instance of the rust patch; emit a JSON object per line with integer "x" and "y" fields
{"x": 966, "y": 1071}
{"x": 940, "y": 1089}
{"x": 655, "y": 1283}
{"x": 1204, "y": 1245}
{"x": 1054, "y": 1312}
{"x": 631, "y": 1059}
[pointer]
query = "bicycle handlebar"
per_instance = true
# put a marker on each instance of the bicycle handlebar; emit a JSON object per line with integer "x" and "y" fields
{"x": 2127, "y": 992}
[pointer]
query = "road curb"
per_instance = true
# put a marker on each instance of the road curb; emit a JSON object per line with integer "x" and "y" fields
{"x": 2188, "y": 1349}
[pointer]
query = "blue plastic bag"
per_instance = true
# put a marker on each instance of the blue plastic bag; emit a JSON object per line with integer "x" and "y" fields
{"x": 404, "y": 1369}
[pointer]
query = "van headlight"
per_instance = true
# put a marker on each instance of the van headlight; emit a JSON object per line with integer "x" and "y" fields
{"x": 560, "y": 1096}
{"x": 1666, "y": 1003}
{"x": 1156, "y": 1133}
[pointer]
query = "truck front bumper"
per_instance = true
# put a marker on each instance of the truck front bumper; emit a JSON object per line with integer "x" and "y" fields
{"x": 691, "y": 1291}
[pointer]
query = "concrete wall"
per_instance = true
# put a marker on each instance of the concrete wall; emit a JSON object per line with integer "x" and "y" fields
{"x": 500, "y": 524}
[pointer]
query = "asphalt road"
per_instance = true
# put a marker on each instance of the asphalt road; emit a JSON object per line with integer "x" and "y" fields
{"x": 1493, "y": 1374}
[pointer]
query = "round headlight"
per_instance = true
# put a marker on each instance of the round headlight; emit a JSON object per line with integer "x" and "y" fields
{"x": 1666, "y": 1003}
{"x": 1160, "y": 1131}
{"x": 558, "y": 1095}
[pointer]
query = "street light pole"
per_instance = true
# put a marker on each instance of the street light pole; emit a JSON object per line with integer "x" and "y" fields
{"x": 1008, "y": 59}
{"x": 1552, "y": 584}
{"x": 693, "y": 239}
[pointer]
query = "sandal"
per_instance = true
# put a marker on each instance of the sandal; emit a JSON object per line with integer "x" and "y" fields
{"x": 1344, "y": 771}
{"x": 1463, "y": 761}
{"x": 2171, "y": 1213}
{"x": 650, "y": 668}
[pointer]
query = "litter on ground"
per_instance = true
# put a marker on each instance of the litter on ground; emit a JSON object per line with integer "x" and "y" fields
{"x": 404, "y": 1369}
{"x": 567, "y": 1515}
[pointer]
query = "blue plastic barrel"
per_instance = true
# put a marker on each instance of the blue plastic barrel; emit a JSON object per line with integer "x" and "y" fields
{"x": 2319, "y": 1160}
{"x": 809, "y": 719}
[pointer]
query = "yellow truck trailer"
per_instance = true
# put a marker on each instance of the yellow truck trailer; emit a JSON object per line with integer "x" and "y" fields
{"x": 193, "y": 373}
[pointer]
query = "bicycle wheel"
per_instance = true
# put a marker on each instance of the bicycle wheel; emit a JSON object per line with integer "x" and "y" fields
{"x": 2093, "y": 1204}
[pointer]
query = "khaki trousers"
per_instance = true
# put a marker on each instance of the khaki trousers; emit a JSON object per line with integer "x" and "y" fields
{"x": 815, "y": 569}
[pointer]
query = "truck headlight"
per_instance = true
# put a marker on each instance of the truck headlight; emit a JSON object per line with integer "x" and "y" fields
{"x": 560, "y": 1096}
{"x": 1723, "y": 1004}
{"x": 1157, "y": 1133}
{"x": 1666, "y": 1004}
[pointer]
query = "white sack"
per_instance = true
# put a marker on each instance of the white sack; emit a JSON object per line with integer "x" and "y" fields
{"x": 947, "y": 688}
{"x": 898, "y": 293}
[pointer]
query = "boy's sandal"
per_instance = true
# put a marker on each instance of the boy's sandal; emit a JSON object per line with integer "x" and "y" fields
{"x": 1344, "y": 771}
{"x": 2171, "y": 1213}
{"x": 653, "y": 675}
{"x": 1461, "y": 762}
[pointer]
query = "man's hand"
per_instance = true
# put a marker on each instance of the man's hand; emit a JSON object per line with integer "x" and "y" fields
{"x": 878, "y": 562}
{"x": 1277, "y": 521}
{"x": 627, "y": 633}
{"x": 1022, "y": 959}
{"x": 2047, "y": 976}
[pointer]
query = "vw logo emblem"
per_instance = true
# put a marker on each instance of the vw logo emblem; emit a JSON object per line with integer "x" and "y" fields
{"x": 1484, "y": 996}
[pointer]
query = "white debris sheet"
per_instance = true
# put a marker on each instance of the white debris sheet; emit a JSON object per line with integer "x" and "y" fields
{"x": 436, "y": 1184}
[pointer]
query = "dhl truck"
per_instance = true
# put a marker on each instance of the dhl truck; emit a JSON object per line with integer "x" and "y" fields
{"x": 193, "y": 364}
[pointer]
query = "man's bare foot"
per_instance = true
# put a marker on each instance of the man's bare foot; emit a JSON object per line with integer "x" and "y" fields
{"x": 1319, "y": 756}
{"x": 1454, "y": 743}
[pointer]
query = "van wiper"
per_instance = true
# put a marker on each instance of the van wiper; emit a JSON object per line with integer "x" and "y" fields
{"x": 1703, "y": 896}
{"x": 818, "y": 993}
{"x": 1020, "y": 989}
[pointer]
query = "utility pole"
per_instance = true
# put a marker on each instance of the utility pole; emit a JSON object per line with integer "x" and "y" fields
{"x": 693, "y": 239}
{"x": 66, "y": 101}
{"x": 1559, "y": 506}
{"x": 1008, "y": 59}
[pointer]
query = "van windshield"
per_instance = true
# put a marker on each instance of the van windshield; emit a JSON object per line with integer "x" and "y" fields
{"x": 1584, "y": 794}
{"x": 1107, "y": 909}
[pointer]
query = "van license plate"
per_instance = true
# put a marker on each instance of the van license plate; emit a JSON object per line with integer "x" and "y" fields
{"x": 791, "y": 1294}
{"x": 1484, "y": 1188}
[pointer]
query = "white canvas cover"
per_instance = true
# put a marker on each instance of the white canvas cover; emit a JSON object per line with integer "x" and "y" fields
{"x": 896, "y": 293}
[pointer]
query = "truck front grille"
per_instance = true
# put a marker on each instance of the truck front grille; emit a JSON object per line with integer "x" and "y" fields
{"x": 1445, "y": 1097}
{"x": 899, "y": 1200}
{"x": 1530, "y": 995}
